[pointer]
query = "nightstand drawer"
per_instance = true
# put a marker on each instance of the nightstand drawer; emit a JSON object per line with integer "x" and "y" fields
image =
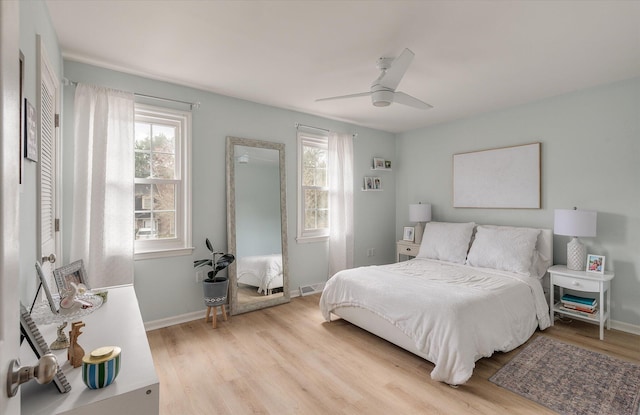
{"x": 408, "y": 249}
{"x": 576, "y": 283}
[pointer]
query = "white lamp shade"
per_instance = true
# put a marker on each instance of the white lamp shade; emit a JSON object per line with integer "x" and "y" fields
{"x": 420, "y": 212}
{"x": 572, "y": 222}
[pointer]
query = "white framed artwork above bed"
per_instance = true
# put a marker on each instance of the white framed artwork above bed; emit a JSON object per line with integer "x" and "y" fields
{"x": 507, "y": 177}
{"x": 471, "y": 290}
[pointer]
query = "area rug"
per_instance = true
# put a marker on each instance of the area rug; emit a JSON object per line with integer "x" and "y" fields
{"x": 572, "y": 380}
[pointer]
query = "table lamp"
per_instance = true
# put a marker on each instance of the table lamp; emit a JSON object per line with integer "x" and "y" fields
{"x": 575, "y": 223}
{"x": 419, "y": 213}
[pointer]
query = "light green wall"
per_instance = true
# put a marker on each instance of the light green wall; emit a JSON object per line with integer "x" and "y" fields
{"x": 167, "y": 287}
{"x": 34, "y": 20}
{"x": 590, "y": 159}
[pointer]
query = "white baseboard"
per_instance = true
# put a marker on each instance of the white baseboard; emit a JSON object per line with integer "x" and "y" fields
{"x": 170, "y": 321}
{"x": 626, "y": 327}
{"x": 183, "y": 318}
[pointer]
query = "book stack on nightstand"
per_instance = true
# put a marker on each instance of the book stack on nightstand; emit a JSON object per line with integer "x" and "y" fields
{"x": 587, "y": 307}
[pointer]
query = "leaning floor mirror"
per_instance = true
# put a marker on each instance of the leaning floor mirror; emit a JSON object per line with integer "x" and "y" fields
{"x": 256, "y": 224}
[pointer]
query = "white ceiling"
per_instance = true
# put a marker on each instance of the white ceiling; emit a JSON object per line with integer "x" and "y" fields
{"x": 471, "y": 56}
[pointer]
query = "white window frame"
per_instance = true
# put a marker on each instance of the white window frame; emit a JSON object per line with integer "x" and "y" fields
{"x": 318, "y": 140}
{"x": 182, "y": 243}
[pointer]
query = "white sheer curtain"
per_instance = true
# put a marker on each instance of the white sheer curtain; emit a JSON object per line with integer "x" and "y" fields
{"x": 340, "y": 173}
{"x": 102, "y": 225}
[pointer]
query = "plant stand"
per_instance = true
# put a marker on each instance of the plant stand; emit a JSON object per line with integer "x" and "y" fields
{"x": 214, "y": 322}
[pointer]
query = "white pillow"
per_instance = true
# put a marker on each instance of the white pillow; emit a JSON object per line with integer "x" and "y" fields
{"x": 446, "y": 241}
{"x": 503, "y": 247}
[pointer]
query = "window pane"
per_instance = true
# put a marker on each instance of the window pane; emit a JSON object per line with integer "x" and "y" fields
{"x": 144, "y": 226}
{"x": 310, "y": 199}
{"x": 143, "y": 197}
{"x": 323, "y": 219}
{"x": 314, "y": 166}
{"x": 309, "y": 220}
{"x": 322, "y": 199}
{"x": 308, "y": 178}
{"x": 164, "y": 139}
{"x": 164, "y": 166}
{"x": 321, "y": 177}
{"x": 143, "y": 167}
{"x": 164, "y": 197}
{"x": 316, "y": 212}
{"x": 143, "y": 136}
{"x": 166, "y": 224}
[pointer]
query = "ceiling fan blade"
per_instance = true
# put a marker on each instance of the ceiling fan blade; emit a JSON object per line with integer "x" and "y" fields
{"x": 362, "y": 94}
{"x": 402, "y": 98}
{"x": 392, "y": 76}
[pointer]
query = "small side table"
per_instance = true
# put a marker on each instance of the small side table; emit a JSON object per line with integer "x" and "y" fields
{"x": 590, "y": 282}
{"x": 407, "y": 248}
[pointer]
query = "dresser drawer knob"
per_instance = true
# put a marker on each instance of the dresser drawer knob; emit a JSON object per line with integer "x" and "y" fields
{"x": 575, "y": 283}
{"x": 408, "y": 249}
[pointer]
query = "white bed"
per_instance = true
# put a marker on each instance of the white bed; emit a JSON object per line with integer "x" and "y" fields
{"x": 261, "y": 271}
{"x": 451, "y": 305}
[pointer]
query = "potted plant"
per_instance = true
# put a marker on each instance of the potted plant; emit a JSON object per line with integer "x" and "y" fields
{"x": 215, "y": 288}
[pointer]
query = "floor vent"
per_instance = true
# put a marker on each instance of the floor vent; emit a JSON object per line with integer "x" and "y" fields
{"x": 306, "y": 290}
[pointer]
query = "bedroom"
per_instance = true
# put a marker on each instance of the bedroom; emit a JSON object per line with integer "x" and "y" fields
{"x": 569, "y": 123}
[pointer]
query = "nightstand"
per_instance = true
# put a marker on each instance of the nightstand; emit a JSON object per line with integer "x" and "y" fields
{"x": 589, "y": 282}
{"x": 407, "y": 248}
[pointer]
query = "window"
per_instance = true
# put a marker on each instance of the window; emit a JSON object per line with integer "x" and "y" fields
{"x": 313, "y": 191}
{"x": 162, "y": 187}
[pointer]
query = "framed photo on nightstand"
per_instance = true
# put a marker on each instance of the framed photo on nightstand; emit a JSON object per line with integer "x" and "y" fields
{"x": 408, "y": 233}
{"x": 595, "y": 263}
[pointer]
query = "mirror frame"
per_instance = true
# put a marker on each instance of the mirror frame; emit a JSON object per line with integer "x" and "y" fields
{"x": 237, "y": 308}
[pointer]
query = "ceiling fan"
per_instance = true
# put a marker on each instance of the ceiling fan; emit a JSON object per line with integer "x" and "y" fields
{"x": 383, "y": 89}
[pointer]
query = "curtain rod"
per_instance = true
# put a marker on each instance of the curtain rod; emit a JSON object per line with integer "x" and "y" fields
{"x": 298, "y": 125}
{"x": 192, "y": 105}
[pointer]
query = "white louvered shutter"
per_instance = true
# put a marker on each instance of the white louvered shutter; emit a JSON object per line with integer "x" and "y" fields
{"x": 47, "y": 108}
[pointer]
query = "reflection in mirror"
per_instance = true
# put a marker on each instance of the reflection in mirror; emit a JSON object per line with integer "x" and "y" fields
{"x": 257, "y": 224}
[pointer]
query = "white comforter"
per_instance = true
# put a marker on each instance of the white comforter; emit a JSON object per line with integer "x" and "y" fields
{"x": 455, "y": 314}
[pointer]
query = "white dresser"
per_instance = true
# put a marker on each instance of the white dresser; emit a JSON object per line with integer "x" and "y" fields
{"x": 136, "y": 390}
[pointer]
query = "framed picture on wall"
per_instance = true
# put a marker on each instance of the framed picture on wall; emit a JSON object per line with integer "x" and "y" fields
{"x": 30, "y": 138}
{"x": 372, "y": 183}
{"x": 378, "y": 163}
{"x": 368, "y": 183}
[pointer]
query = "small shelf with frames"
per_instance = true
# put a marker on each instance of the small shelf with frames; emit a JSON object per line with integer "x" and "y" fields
{"x": 380, "y": 164}
{"x": 372, "y": 184}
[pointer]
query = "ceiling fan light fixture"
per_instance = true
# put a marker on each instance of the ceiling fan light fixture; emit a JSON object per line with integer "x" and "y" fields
{"x": 382, "y": 98}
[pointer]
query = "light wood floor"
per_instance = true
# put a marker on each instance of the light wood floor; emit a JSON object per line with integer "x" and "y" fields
{"x": 288, "y": 360}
